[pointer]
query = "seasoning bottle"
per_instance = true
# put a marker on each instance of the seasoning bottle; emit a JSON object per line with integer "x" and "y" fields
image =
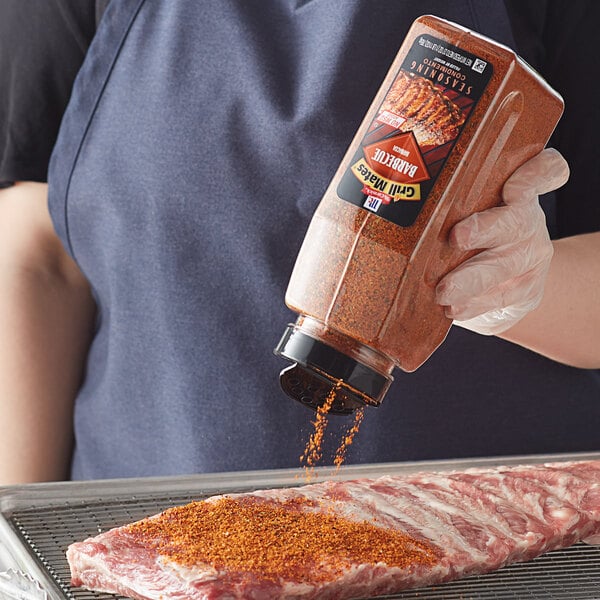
{"x": 456, "y": 114}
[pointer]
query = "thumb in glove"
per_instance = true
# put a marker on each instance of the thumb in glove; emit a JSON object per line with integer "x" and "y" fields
{"x": 494, "y": 289}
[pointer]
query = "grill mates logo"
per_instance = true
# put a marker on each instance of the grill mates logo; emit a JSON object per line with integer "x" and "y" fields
{"x": 392, "y": 169}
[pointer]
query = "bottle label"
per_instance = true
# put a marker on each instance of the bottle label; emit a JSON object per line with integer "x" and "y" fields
{"x": 407, "y": 144}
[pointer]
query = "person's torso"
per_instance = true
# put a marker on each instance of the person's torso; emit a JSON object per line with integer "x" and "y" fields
{"x": 199, "y": 140}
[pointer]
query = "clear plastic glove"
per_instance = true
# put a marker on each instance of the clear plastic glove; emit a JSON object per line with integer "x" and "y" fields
{"x": 491, "y": 291}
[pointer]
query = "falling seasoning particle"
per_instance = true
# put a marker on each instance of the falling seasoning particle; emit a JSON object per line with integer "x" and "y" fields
{"x": 313, "y": 451}
{"x": 340, "y": 455}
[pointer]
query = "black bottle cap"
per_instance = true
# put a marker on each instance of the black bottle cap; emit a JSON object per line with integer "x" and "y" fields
{"x": 320, "y": 368}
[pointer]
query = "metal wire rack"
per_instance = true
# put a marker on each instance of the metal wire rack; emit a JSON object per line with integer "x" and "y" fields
{"x": 573, "y": 573}
{"x": 38, "y": 522}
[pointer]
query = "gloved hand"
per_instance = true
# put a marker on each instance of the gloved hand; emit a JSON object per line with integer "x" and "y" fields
{"x": 491, "y": 291}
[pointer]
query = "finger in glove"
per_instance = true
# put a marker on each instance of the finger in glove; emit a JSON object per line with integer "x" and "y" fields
{"x": 486, "y": 271}
{"x": 498, "y": 226}
{"x": 522, "y": 292}
{"x": 543, "y": 173}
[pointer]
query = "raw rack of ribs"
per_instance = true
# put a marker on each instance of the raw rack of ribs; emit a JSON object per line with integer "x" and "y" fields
{"x": 336, "y": 540}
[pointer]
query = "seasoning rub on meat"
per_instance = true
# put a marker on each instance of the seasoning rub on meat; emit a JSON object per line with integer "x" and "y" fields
{"x": 346, "y": 539}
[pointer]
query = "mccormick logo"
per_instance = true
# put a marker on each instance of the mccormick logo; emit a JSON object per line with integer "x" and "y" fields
{"x": 372, "y": 203}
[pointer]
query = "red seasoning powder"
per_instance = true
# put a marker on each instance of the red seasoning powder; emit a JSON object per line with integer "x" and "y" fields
{"x": 313, "y": 452}
{"x": 253, "y": 538}
{"x": 348, "y": 439}
{"x": 455, "y": 116}
{"x": 314, "y": 447}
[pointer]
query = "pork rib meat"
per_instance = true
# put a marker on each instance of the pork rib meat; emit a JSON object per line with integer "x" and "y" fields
{"x": 447, "y": 525}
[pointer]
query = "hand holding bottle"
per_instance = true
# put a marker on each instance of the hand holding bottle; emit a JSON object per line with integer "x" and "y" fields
{"x": 493, "y": 290}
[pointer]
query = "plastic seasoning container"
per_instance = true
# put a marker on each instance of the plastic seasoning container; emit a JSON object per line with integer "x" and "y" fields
{"x": 456, "y": 114}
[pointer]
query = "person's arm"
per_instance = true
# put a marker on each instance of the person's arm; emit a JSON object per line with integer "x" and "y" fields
{"x": 566, "y": 324}
{"x": 46, "y": 320}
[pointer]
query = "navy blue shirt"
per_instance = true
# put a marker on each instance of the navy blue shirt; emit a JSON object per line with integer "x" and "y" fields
{"x": 197, "y": 144}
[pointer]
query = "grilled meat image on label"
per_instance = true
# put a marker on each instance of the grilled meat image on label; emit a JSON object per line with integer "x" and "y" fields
{"x": 432, "y": 117}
